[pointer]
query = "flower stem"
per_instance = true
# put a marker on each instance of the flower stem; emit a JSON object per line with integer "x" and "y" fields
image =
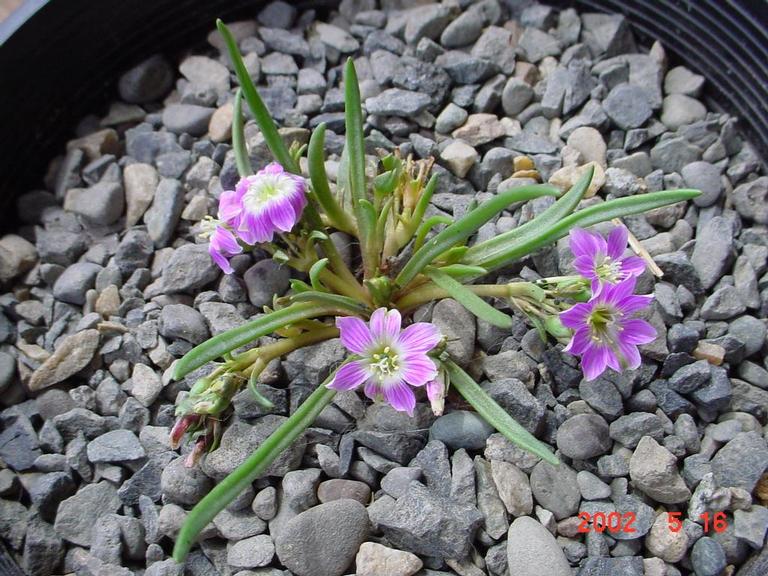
{"x": 229, "y": 488}
{"x": 428, "y": 292}
{"x": 282, "y": 347}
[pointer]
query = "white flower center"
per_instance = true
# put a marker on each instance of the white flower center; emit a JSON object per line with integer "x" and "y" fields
{"x": 608, "y": 270}
{"x": 384, "y": 364}
{"x": 265, "y": 188}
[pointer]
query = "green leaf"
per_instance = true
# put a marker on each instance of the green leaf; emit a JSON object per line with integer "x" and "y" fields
{"x": 426, "y": 226}
{"x": 314, "y": 273}
{"x": 462, "y": 229}
{"x": 299, "y": 285}
{"x": 254, "y": 466}
{"x": 587, "y": 217}
{"x": 260, "y": 112}
{"x": 242, "y": 161}
{"x": 469, "y": 299}
{"x": 559, "y": 210}
{"x": 426, "y": 195}
{"x": 225, "y": 342}
{"x": 460, "y": 271}
{"x": 337, "y": 301}
{"x": 319, "y": 179}
{"x": 355, "y": 148}
{"x": 495, "y": 415}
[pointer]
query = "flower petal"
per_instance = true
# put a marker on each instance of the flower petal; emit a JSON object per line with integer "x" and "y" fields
{"x": 579, "y": 342}
{"x": 634, "y": 303}
{"x": 400, "y": 396}
{"x": 576, "y": 316}
{"x": 637, "y": 331}
{"x": 372, "y": 389}
{"x": 355, "y": 334}
{"x": 417, "y": 369}
{"x": 220, "y": 260}
{"x": 385, "y": 325}
{"x": 349, "y": 376}
{"x": 630, "y": 355}
{"x": 594, "y": 362}
{"x": 419, "y": 337}
{"x": 632, "y": 266}
{"x": 281, "y": 214}
{"x": 617, "y": 242}
{"x": 586, "y": 243}
{"x": 225, "y": 242}
{"x": 229, "y": 206}
{"x": 585, "y": 265}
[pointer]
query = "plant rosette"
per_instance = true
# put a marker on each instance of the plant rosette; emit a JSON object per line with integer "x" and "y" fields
{"x": 401, "y": 261}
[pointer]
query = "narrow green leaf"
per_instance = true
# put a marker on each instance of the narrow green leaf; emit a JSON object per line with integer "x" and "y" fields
{"x": 469, "y": 299}
{"x": 314, "y": 273}
{"x": 261, "y": 400}
{"x": 495, "y": 415}
{"x": 327, "y": 299}
{"x": 426, "y": 195}
{"x": 460, "y": 271}
{"x": 559, "y": 210}
{"x": 353, "y": 115}
{"x": 462, "y": 229}
{"x": 255, "y": 465}
{"x": 299, "y": 285}
{"x": 232, "y": 339}
{"x": 587, "y": 217}
{"x": 260, "y": 112}
{"x": 319, "y": 179}
{"x": 242, "y": 161}
{"x": 426, "y": 226}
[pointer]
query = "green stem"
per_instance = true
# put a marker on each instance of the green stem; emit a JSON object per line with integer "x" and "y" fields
{"x": 495, "y": 414}
{"x": 428, "y": 292}
{"x": 231, "y": 487}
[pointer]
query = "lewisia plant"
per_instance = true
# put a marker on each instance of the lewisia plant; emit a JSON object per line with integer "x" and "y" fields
{"x": 402, "y": 259}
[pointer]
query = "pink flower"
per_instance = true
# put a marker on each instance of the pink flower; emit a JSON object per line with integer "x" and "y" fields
{"x": 222, "y": 243}
{"x": 270, "y": 201}
{"x": 602, "y": 262}
{"x": 605, "y": 335}
{"x": 390, "y": 361}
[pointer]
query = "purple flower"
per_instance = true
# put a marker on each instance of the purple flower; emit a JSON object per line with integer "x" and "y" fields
{"x": 605, "y": 334}
{"x": 222, "y": 244}
{"x": 602, "y": 262}
{"x": 390, "y": 361}
{"x": 270, "y": 201}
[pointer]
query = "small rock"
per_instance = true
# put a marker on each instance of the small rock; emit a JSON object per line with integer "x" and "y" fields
{"x": 374, "y": 559}
{"x": 532, "y": 550}
{"x": 584, "y": 436}
{"x": 323, "y": 540}
{"x": 147, "y": 81}
{"x": 75, "y": 281}
{"x": 751, "y": 200}
{"x": 187, "y": 118}
{"x": 653, "y": 470}
{"x": 459, "y": 157}
{"x": 163, "y": 216}
{"x": 265, "y": 279}
{"x": 76, "y": 514}
{"x": 146, "y": 385}
{"x": 679, "y": 110}
{"x": 424, "y": 523}
{"x": 71, "y": 356}
{"x": 708, "y": 557}
{"x": 741, "y": 462}
{"x": 461, "y": 429}
{"x": 627, "y": 105}
{"x": 17, "y": 255}
{"x": 115, "y": 446}
{"x": 189, "y": 269}
{"x": 336, "y": 38}
{"x": 398, "y": 102}
{"x": 251, "y": 552}
{"x": 680, "y": 80}
{"x": 516, "y": 96}
{"x": 183, "y": 322}
{"x": 102, "y": 203}
{"x": 664, "y": 543}
{"x": 555, "y": 488}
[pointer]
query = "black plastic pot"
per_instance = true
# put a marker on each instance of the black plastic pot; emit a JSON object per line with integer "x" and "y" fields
{"x": 59, "y": 60}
